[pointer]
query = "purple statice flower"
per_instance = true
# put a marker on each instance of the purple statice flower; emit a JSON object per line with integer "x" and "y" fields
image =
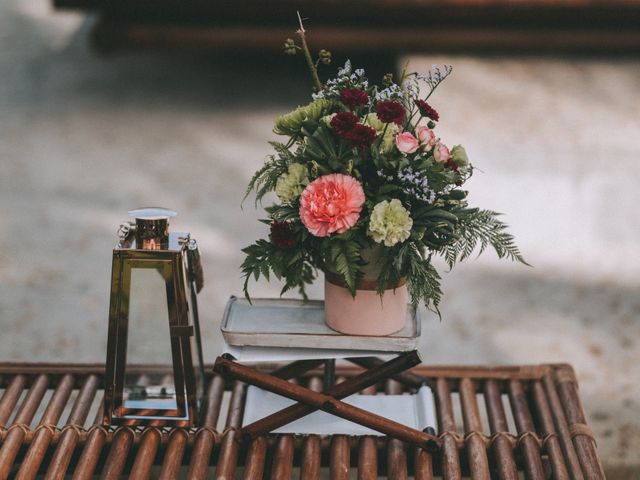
{"x": 416, "y": 184}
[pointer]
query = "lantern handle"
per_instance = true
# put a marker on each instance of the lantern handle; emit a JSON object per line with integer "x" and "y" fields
{"x": 194, "y": 263}
{"x": 126, "y": 230}
{"x": 196, "y": 282}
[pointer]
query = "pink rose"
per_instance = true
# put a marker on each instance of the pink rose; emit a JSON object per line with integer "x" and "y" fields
{"x": 331, "y": 203}
{"x": 441, "y": 153}
{"x": 426, "y": 137}
{"x": 406, "y": 142}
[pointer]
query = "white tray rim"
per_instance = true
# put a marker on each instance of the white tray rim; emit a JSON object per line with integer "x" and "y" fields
{"x": 399, "y": 343}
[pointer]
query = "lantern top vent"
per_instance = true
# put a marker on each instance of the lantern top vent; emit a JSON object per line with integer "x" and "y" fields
{"x": 152, "y": 213}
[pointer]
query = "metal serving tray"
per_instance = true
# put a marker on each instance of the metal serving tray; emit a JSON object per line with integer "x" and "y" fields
{"x": 298, "y": 324}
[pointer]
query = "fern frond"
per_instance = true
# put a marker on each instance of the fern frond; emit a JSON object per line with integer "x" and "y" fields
{"x": 256, "y": 263}
{"x": 265, "y": 179}
{"x": 423, "y": 280}
{"x": 481, "y": 228}
{"x": 263, "y": 257}
{"x": 345, "y": 258}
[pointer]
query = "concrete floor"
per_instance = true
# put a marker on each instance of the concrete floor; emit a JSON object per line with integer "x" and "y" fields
{"x": 83, "y": 139}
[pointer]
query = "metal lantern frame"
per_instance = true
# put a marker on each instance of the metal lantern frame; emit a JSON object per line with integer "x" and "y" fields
{"x": 175, "y": 257}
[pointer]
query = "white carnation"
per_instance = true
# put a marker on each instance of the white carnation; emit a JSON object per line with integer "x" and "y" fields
{"x": 390, "y": 223}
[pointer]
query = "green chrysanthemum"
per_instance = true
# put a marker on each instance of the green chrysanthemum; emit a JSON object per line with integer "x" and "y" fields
{"x": 327, "y": 119}
{"x": 290, "y": 185}
{"x": 459, "y": 156}
{"x": 291, "y": 123}
{"x": 390, "y": 223}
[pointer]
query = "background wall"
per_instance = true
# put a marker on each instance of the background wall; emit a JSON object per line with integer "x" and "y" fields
{"x": 85, "y": 138}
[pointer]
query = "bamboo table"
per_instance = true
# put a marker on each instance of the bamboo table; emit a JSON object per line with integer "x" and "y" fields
{"x": 494, "y": 422}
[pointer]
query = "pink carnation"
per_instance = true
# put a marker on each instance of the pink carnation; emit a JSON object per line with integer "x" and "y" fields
{"x": 331, "y": 203}
{"x": 406, "y": 142}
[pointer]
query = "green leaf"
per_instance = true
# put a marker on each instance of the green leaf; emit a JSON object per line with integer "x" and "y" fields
{"x": 389, "y": 188}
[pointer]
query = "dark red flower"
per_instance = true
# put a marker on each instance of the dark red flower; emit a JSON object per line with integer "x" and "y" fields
{"x": 451, "y": 165}
{"x": 342, "y": 122}
{"x": 427, "y": 110}
{"x": 354, "y": 97}
{"x": 282, "y": 235}
{"x": 360, "y": 136}
{"x": 390, "y": 111}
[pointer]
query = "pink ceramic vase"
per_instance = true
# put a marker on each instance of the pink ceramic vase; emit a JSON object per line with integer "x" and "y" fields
{"x": 367, "y": 313}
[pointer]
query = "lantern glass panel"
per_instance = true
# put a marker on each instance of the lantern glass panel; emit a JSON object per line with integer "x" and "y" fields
{"x": 149, "y": 341}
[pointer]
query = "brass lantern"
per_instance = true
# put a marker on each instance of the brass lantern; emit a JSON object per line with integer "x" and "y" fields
{"x": 154, "y": 281}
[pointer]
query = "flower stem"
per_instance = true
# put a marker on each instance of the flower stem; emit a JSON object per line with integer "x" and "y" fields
{"x": 413, "y": 114}
{"x": 307, "y": 55}
{"x": 404, "y": 74}
{"x": 384, "y": 132}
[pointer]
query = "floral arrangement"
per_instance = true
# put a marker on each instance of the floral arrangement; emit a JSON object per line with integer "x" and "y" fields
{"x": 362, "y": 168}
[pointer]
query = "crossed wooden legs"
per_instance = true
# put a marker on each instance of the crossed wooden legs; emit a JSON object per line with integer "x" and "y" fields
{"x": 329, "y": 400}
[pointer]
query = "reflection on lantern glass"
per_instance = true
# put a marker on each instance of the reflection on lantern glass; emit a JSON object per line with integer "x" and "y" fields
{"x": 149, "y": 342}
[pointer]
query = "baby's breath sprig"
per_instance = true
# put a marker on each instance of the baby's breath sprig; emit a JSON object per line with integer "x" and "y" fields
{"x": 434, "y": 77}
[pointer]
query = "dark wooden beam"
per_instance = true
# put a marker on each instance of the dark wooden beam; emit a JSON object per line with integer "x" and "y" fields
{"x": 115, "y": 34}
{"x": 391, "y": 26}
